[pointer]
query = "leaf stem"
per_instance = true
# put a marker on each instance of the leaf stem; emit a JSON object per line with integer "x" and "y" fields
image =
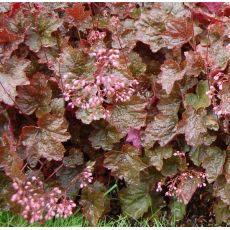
{"x": 54, "y": 172}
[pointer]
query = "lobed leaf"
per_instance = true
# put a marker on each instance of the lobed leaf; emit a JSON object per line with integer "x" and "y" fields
{"x": 12, "y": 74}
{"x": 45, "y": 139}
{"x": 40, "y": 35}
{"x": 194, "y": 63}
{"x": 135, "y": 200}
{"x": 157, "y": 155}
{"x": 193, "y": 126}
{"x": 178, "y": 32}
{"x": 35, "y": 97}
{"x": 93, "y": 202}
{"x": 222, "y": 212}
{"x": 150, "y": 27}
{"x": 91, "y": 114}
{"x": 105, "y": 137}
{"x": 7, "y": 36}
{"x": 76, "y": 62}
{"x": 136, "y": 66}
{"x": 124, "y": 34}
{"x": 178, "y": 209}
{"x": 10, "y": 160}
{"x": 125, "y": 164}
{"x": 77, "y": 12}
{"x": 213, "y": 163}
{"x": 200, "y": 99}
{"x": 224, "y": 96}
{"x": 162, "y": 129}
{"x": 75, "y": 158}
{"x": 221, "y": 190}
{"x": 187, "y": 188}
{"x": 129, "y": 114}
{"x": 171, "y": 72}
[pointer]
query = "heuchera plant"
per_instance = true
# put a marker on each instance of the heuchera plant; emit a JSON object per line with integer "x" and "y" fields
{"x": 97, "y": 96}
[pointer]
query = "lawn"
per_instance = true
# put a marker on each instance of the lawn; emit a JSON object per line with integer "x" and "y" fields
{"x": 10, "y": 220}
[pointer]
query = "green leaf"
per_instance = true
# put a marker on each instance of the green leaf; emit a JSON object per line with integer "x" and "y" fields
{"x": 172, "y": 165}
{"x": 171, "y": 72}
{"x": 156, "y": 155}
{"x": 135, "y": 200}
{"x": 91, "y": 114}
{"x": 125, "y": 164}
{"x": 211, "y": 121}
{"x": 76, "y": 62}
{"x": 12, "y": 74}
{"x": 197, "y": 154}
{"x": 41, "y": 35}
{"x": 200, "y": 99}
{"x": 222, "y": 212}
{"x": 178, "y": 209}
{"x": 94, "y": 203}
{"x": 136, "y": 66}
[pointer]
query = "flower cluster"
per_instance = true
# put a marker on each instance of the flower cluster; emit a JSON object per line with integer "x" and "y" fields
{"x": 106, "y": 57}
{"x": 216, "y": 86}
{"x": 95, "y": 36}
{"x": 114, "y": 21}
{"x": 175, "y": 185}
{"x": 114, "y": 85}
{"x": 218, "y": 81}
{"x": 104, "y": 87}
{"x": 159, "y": 187}
{"x": 179, "y": 154}
{"x": 86, "y": 176}
{"x": 39, "y": 204}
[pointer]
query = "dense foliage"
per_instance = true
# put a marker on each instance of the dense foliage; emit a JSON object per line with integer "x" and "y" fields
{"x": 114, "y": 107}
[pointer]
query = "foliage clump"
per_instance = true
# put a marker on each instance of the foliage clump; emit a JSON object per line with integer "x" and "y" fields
{"x": 133, "y": 96}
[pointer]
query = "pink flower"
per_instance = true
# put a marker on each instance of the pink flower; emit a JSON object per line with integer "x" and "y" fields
{"x": 134, "y": 137}
{"x": 39, "y": 204}
{"x": 213, "y": 7}
{"x": 104, "y": 87}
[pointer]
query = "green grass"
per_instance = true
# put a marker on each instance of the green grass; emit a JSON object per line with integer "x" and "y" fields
{"x": 9, "y": 220}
